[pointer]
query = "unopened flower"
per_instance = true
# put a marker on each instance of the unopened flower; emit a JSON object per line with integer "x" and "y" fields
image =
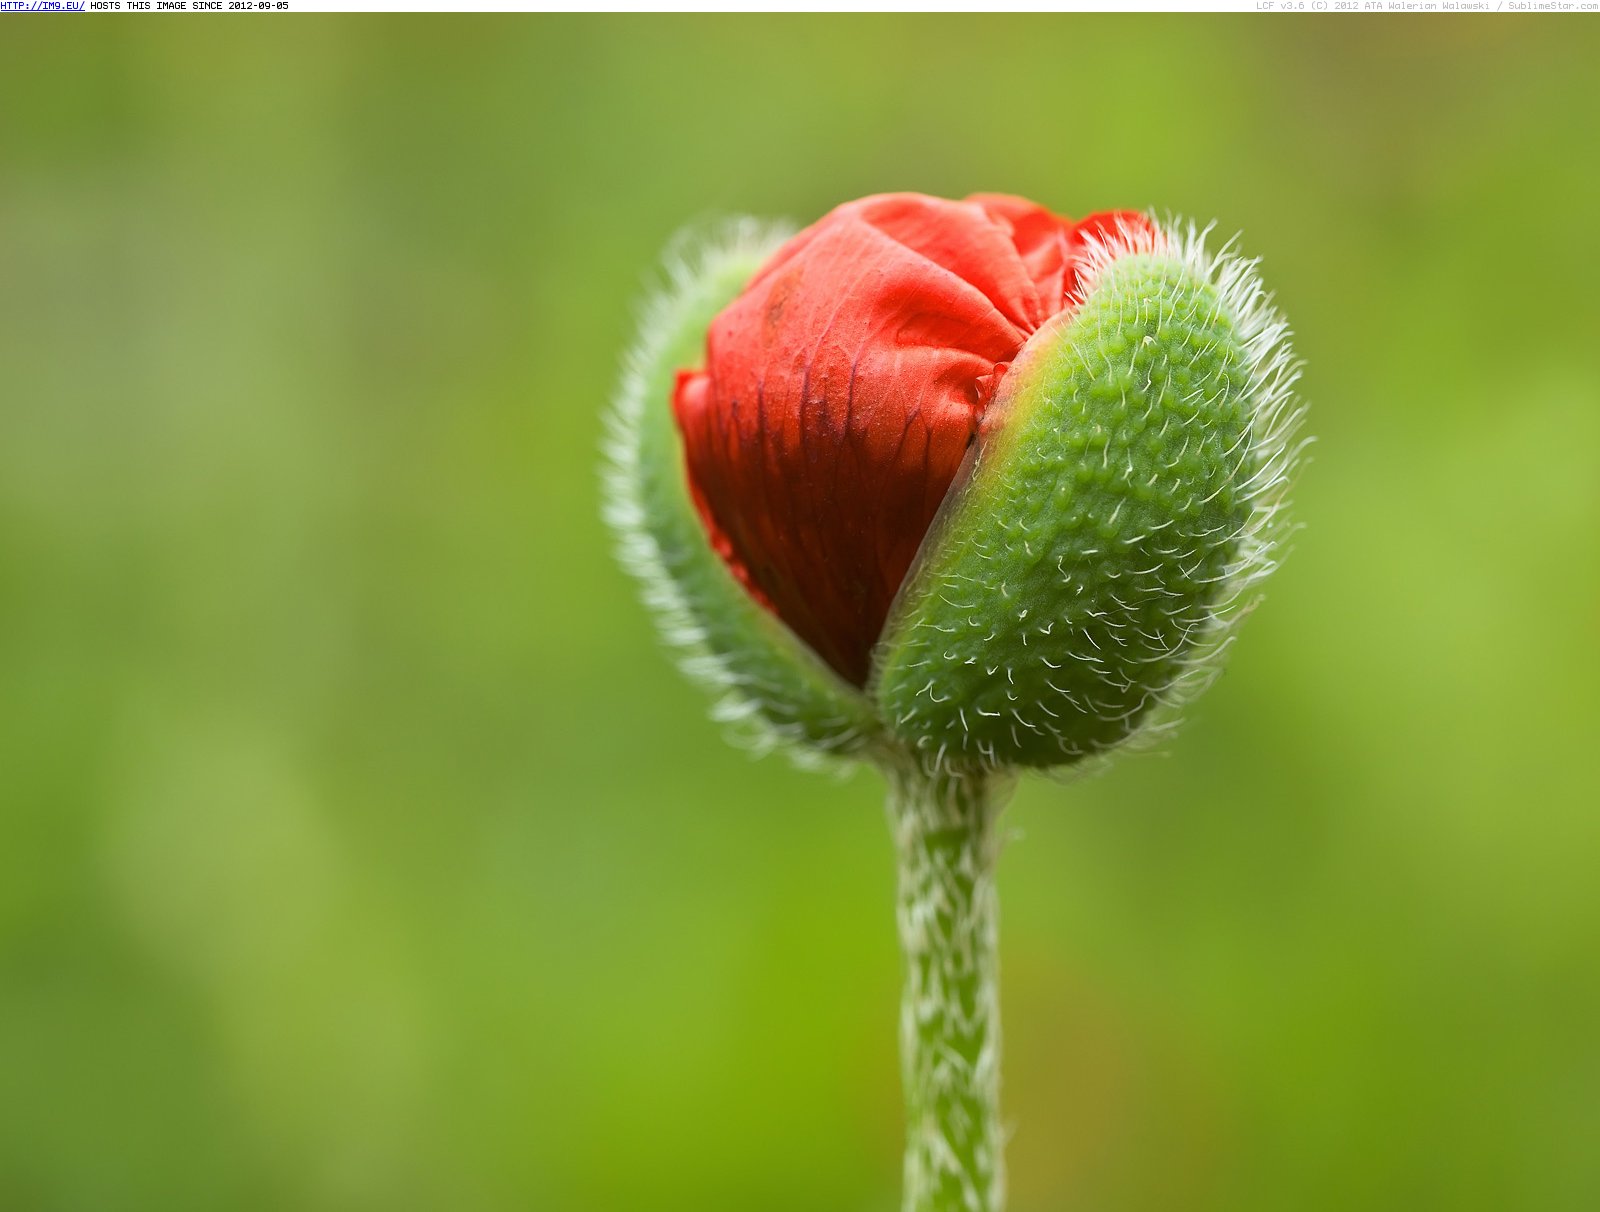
{"x": 964, "y": 480}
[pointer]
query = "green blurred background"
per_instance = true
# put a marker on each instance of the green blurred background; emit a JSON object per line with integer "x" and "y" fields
{"x": 360, "y": 850}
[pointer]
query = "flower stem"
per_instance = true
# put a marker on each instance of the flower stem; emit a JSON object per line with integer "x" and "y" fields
{"x": 944, "y": 826}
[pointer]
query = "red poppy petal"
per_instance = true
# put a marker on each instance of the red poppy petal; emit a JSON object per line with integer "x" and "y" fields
{"x": 1042, "y": 239}
{"x": 841, "y": 391}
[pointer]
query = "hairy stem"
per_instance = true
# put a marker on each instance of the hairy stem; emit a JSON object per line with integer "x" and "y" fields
{"x": 944, "y": 828}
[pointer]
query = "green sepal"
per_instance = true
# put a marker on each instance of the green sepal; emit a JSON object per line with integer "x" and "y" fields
{"x": 1107, "y": 518}
{"x": 770, "y": 679}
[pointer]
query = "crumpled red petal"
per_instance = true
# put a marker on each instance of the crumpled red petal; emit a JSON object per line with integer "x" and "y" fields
{"x": 842, "y": 388}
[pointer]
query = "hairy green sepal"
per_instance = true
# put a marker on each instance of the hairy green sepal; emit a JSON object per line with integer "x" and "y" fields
{"x": 770, "y": 679}
{"x": 1070, "y": 583}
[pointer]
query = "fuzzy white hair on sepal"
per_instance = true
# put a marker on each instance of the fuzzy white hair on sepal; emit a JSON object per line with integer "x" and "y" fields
{"x": 769, "y": 690}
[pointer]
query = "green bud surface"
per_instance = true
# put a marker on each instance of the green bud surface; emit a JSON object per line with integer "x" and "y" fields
{"x": 1116, "y": 505}
{"x": 771, "y": 686}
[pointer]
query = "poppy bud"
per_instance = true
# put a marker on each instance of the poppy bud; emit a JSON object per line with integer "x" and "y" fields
{"x": 963, "y": 479}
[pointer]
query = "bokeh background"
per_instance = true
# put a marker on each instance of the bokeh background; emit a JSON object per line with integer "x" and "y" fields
{"x": 360, "y": 850}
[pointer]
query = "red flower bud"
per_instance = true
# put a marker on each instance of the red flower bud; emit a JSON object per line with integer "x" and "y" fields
{"x": 842, "y": 389}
